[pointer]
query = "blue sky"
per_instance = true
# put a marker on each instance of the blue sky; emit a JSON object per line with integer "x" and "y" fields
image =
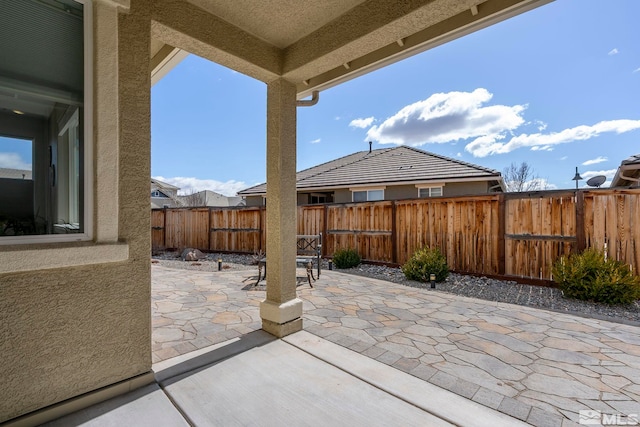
{"x": 557, "y": 87}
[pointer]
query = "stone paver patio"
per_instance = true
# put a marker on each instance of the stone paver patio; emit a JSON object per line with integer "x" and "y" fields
{"x": 538, "y": 366}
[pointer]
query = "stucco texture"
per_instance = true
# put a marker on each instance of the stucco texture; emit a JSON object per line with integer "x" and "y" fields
{"x": 69, "y": 331}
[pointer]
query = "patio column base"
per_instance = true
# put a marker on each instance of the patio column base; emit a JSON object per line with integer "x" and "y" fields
{"x": 281, "y": 319}
{"x": 281, "y": 329}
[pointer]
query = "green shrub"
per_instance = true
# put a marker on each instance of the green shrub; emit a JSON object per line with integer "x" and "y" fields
{"x": 423, "y": 263}
{"x": 346, "y": 258}
{"x": 588, "y": 276}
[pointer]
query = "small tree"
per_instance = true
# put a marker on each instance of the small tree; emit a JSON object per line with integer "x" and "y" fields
{"x": 522, "y": 178}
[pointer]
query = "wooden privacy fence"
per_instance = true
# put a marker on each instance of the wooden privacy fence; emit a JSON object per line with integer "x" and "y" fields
{"x": 512, "y": 234}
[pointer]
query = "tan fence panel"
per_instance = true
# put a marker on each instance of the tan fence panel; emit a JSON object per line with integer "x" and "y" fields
{"x": 514, "y": 234}
{"x": 157, "y": 229}
{"x": 365, "y": 227}
{"x": 612, "y": 221}
{"x": 187, "y": 228}
{"x": 464, "y": 229}
{"x": 236, "y": 230}
{"x": 310, "y": 219}
{"x": 420, "y": 223}
{"x": 538, "y": 230}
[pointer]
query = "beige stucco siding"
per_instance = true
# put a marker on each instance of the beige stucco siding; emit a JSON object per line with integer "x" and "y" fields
{"x": 465, "y": 188}
{"x": 69, "y": 331}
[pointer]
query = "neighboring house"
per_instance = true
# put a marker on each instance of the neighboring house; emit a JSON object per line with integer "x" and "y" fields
{"x": 6, "y": 173}
{"x": 164, "y": 195}
{"x": 386, "y": 174}
{"x": 628, "y": 173}
{"x": 16, "y": 197}
{"x": 210, "y": 198}
{"x": 75, "y": 79}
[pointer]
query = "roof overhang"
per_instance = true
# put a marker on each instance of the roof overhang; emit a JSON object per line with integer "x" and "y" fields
{"x": 314, "y": 44}
{"x": 497, "y": 179}
{"x": 628, "y": 174}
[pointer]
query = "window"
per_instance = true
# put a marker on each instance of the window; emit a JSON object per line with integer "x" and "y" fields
{"x": 429, "y": 192}
{"x": 42, "y": 104}
{"x": 368, "y": 195}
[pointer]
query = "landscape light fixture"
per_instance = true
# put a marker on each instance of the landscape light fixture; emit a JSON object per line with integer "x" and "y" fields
{"x": 432, "y": 278}
{"x": 577, "y": 178}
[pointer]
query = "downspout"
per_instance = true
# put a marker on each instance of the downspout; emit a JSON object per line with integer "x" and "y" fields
{"x": 315, "y": 97}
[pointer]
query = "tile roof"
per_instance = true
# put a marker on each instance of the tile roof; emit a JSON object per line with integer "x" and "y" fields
{"x": 384, "y": 166}
{"x": 15, "y": 173}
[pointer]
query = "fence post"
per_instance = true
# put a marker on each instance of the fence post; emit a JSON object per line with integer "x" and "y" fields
{"x": 325, "y": 216}
{"x": 164, "y": 228}
{"x": 581, "y": 240}
{"x": 394, "y": 240}
{"x": 502, "y": 218}
{"x": 209, "y": 228}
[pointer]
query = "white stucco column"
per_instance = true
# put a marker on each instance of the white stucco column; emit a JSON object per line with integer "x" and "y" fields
{"x": 281, "y": 311}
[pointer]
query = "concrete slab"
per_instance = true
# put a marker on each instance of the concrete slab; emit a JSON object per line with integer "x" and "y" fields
{"x": 188, "y": 362}
{"x": 146, "y": 406}
{"x": 278, "y": 384}
{"x": 432, "y": 399}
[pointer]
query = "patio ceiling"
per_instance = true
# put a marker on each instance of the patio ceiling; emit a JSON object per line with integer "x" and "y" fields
{"x": 316, "y": 44}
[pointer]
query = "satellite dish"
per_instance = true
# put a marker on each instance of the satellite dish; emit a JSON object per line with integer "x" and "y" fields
{"x": 596, "y": 181}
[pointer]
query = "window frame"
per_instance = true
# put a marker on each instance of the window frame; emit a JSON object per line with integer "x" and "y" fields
{"x": 366, "y": 191}
{"x": 430, "y": 188}
{"x": 87, "y": 159}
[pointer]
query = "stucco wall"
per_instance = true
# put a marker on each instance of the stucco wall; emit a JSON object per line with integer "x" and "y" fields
{"x": 68, "y": 331}
{"x": 465, "y": 188}
{"x": 254, "y": 201}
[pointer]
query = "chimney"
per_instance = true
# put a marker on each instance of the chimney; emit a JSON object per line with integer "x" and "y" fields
{"x": 370, "y": 143}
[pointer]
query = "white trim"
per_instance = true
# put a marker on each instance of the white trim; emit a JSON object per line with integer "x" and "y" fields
{"x": 367, "y": 187}
{"x": 88, "y": 118}
{"x": 439, "y": 184}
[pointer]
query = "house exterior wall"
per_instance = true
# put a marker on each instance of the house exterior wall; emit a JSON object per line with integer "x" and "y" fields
{"x": 253, "y": 201}
{"x": 75, "y": 315}
{"x": 393, "y": 192}
{"x": 465, "y": 188}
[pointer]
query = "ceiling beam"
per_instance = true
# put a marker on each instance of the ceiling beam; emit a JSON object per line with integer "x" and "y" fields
{"x": 366, "y": 54}
{"x": 179, "y": 23}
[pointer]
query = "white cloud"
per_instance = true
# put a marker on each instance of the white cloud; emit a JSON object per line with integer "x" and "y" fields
{"x": 316, "y": 141}
{"x": 564, "y": 157}
{"x": 492, "y": 143}
{"x": 459, "y": 154}
{"x": 13, "y": 161}
{"x": 613, "y": 51}
{"x": 637, "y": 70}
{"x": 595, "y": 161}
{"x": 448, "y": 117}
{"x": 609, "y": 173}
{"x": 189, "y": 185}
{"x": 362, "y": 123}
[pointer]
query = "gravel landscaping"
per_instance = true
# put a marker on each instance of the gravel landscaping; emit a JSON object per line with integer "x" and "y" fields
{"x": 470, "y": 286}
